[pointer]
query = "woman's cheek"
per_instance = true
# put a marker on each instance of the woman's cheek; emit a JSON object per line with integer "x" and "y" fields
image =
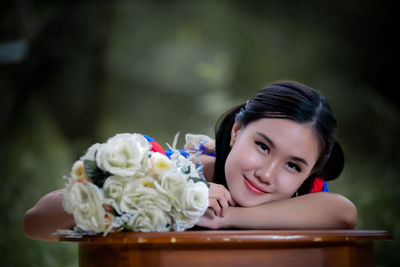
{"x": 250, "y": 160}
{"x": 289, "y": 184}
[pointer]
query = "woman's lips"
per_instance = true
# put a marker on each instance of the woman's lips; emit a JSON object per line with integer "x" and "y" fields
{"x": 253, "y": 187}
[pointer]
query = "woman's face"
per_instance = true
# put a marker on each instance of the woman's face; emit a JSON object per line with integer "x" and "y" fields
{"x": 269, "y": 160}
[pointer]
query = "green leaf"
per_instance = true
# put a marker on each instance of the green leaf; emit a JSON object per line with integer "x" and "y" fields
{"x": 197, "y": 179}
{"x": 90, "y": 167}
{"x": 97, "y": 175}
{"x": 186, "y": 169}
{"x": 127, "y": 228}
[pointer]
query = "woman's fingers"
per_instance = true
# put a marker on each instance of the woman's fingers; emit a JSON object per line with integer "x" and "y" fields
{"x": 214, "y": 204}
{"x": 209, "y": 213}
{"x": 229, "y": 198}
{"x": 208, "y": 219}
{"x": 224, "y": 206}
{"x": 220, "y": 196}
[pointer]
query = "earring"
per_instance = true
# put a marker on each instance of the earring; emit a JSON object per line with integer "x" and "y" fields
{"x": 296, "y": 194}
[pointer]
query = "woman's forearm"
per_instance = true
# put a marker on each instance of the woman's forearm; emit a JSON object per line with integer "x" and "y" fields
{"x": 46, "y": 217}
{"x": 312, "y": 211}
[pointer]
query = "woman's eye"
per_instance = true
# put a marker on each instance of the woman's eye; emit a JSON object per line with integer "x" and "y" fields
{"x": 294, "y": 166}
{"x": 263, "y": 146}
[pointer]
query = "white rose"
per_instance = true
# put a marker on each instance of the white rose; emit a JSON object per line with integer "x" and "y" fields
{"x": 85, "y": 202}
{"x": 145, "y": 168}
{"x": 91, "y": 152}
{"x": 194, "y": 202}
{"x": 142, "y": 194}
{"x": 160, "y": 163}
{"x": 123, "y": 154}
{"x": 78, "y": 172}
{"x": 196, "y": 199}
{"x": 151, "y": 219}
{"x": 173, "y": 183}
{"x": 172, "y": 180}
{"x": 113, "y": 188}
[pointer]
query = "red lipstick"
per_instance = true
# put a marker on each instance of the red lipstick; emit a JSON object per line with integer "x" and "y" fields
{"x": 252, "y": 187}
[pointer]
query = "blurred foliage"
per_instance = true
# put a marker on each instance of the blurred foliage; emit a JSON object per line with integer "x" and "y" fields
{"x": 75, "y": 74}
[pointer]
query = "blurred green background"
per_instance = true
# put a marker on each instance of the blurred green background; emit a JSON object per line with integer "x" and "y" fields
{"x": 72, "y": 74}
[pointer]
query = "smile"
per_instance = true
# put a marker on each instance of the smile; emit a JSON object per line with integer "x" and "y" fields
{"x": 253, "y": 187}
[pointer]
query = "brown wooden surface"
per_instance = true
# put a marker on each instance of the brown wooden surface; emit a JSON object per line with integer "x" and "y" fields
{"x": 230, "y": 248}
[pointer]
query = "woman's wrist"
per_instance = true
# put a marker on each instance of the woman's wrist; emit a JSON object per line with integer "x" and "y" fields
{"x": 228, "y": 220}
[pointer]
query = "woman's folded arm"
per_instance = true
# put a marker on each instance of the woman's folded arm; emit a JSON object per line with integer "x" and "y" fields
{"x": 312, "y": 211}
{"x": 46, "y": 217}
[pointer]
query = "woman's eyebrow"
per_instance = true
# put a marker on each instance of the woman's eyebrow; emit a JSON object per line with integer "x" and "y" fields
{"x": 269, "y": 141}
{"x": 273, "y": 145}
{"x": 300, "y": 160}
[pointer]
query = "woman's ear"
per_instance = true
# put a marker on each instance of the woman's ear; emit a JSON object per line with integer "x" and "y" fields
{"x": 235, "y": 131}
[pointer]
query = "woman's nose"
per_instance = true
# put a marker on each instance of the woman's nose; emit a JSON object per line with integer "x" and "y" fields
{"x": 267, "y": 172}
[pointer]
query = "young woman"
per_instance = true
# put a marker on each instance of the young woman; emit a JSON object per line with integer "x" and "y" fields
{"x": 271, "y": 153}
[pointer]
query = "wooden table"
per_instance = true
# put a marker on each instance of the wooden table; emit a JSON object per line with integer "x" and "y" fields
{"x": 230, "y": 248}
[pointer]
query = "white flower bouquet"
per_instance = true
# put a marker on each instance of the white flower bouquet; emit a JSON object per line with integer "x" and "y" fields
{"x": 121, "y": 185}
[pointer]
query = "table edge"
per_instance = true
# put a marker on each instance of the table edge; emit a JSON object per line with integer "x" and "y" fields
{"x": 242, "y": 236}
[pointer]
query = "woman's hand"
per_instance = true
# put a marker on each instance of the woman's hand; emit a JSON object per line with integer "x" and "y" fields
{"x": 210, "y": 220}
{"x": 219, "y": 199}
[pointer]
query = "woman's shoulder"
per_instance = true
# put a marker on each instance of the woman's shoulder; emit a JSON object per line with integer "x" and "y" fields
{"x": 194, "y": 144}
{"x": 199, "y": 143}
{"x": 203, "y": 149}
